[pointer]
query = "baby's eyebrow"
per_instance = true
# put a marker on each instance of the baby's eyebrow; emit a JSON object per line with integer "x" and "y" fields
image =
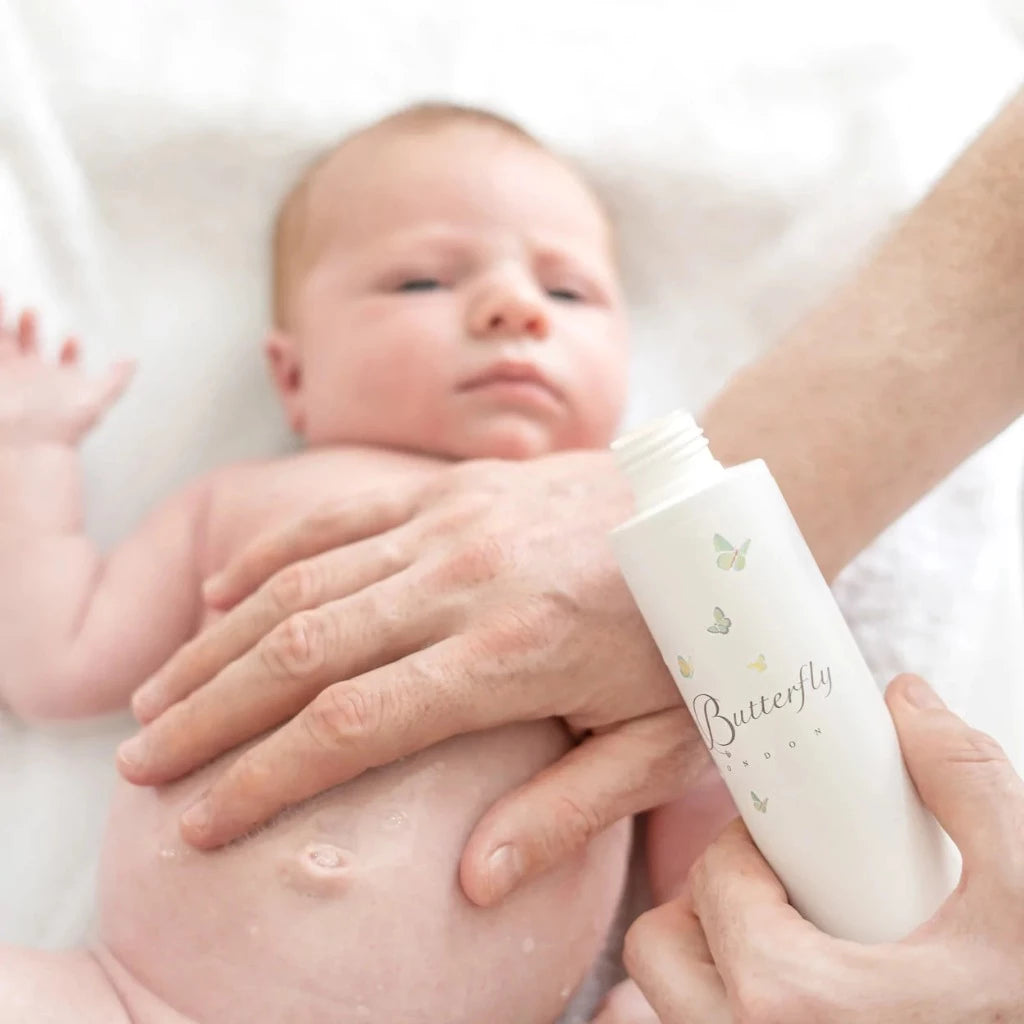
{"x": 436, "y": 238}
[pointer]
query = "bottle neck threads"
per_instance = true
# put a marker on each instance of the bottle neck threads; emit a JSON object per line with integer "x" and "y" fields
{"x": 666, "y": 460}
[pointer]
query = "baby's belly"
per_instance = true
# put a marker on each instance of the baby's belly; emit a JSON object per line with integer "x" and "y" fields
{"x": 349, "y": 908}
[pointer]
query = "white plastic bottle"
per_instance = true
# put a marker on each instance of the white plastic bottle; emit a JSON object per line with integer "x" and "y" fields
{"x": 780, "y": 693}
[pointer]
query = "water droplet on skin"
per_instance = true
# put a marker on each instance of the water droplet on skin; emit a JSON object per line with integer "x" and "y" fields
{"x": 395, "y": 820}
{"x": 565, "y": 993}
{"x": 254, "y": 930}
{"x": 529, "y": 946}
{"x": 168, "y": 853}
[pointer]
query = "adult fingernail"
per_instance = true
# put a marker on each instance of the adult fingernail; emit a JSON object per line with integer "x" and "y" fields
{"x": 197, "y": 818}
{"x": 504, "y": 870}
{"x": 132, "y": 753}
{"x": 921, "y": 695}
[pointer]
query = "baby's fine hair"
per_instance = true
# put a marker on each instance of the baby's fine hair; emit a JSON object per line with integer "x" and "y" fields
{"x": 290, "y": 223}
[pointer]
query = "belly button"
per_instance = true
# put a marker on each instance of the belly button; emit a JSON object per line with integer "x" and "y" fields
{"x": 318, "y": 869}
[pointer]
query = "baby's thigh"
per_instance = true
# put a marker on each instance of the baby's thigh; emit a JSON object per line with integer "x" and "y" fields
{"x": 59, "y": 988}
{"x": 679, "y": 832}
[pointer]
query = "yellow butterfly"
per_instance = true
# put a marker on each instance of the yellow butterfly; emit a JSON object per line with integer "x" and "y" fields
{"x": 685, "y": 666}
{"x": 721, "y": 624}
{"x": 760, "y": 664}
{"x": 759, "y": 804}
{"x": 731, "y": 557}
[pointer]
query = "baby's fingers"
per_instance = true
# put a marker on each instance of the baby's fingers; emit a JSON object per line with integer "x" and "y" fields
{"x": 69, "y": 352}
{"x": 113, "y": 385}
{"x": 105, "y": 391}
{"x": 28, "y": 333}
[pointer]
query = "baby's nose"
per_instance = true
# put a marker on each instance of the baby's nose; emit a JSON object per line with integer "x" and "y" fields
{"x": 509, "y": 313}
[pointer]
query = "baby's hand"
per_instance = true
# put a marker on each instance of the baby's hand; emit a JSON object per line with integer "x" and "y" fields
{"x": 42, "y": 400}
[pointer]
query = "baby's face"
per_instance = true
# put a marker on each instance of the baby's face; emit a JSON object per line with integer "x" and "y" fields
{"x": 460, "y": 299}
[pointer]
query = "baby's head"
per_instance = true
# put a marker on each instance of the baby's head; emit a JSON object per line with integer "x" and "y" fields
{"x": 445, "y": 284}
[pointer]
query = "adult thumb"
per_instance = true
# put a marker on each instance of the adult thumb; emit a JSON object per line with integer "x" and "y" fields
{"x": 965, "y": 778}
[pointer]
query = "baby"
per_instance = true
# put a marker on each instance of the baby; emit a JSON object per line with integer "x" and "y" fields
{"x": 444, "y": 288}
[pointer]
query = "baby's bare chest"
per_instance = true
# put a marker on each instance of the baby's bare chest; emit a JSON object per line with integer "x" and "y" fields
{"x": 250, "y": 501}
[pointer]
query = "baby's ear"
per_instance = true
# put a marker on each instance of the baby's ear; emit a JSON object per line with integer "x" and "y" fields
{"x": 286, "y": 372}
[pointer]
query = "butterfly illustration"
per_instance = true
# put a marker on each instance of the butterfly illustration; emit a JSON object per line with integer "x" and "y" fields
{"x": 685, "y": 666}
{"x": 759, "y": 663}
{"x": 722, "y": 624}
{"x": 759, "y": 804}
{"x": 731, "y": 557}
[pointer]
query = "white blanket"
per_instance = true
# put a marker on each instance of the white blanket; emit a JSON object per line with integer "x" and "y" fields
{"x": 748, "y": 150}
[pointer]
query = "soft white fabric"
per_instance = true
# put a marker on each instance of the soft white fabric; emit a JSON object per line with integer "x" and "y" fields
{"x": 749, "y": 152}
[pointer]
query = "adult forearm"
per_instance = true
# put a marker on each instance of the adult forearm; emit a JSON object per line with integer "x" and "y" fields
{"x": 910, "y": 367}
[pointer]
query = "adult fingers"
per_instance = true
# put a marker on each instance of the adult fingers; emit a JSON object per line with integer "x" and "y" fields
{"x": 965, "y": 778}
{"x": 633, "y": 766}
{"x": 299, "y": 587}
{"x": 330, "y": 526}
{"x": 741, "y": 905}
{"x": 285, "y": 670}
{"x": 358, "y": 724}
{"x": 667, "y": 955}
{"x": 626, "y": 1004}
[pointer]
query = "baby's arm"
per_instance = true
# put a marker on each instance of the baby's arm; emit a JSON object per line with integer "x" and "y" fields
{"x": 56, "y": 988}
{"x": 79, "y": 631}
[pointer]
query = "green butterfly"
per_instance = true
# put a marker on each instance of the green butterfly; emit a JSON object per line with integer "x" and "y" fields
{"x": 759, "y": 804}
{"x": 722, "y": 624}
{"x": 731, "y": 557}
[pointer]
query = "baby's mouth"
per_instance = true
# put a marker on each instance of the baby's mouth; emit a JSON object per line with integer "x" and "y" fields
{"x": 513, "y": 379}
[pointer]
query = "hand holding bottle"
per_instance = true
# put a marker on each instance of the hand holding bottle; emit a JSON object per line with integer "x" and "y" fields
{"x": 733, "y": 949}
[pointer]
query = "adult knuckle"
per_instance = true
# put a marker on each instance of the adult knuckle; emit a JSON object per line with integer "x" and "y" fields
{"x": 325, "y": 517}
{"x": 392, "y": 553}
{"x": 297, "y": 647}
{"x": 479, "y": 561}
{"x": 295, "y": 587}
{"x": 250, "y": 773}
{"x": 638, "y": 939}
{"x": 975, "y": 747}
{"x": 341, "y": 717}
{"x": 576, "y": 822}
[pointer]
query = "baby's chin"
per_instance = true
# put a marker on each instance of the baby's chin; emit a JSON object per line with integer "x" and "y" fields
{"x": 516, "y": 436}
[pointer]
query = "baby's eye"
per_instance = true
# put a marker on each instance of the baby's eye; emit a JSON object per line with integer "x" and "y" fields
{"x": 566, "y": 294}
{"x": 419, "y": 284}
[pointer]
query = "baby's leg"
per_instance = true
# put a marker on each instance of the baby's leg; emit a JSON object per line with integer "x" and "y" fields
{"x": 679, "y": 832}
{"x": 56, "y": 988}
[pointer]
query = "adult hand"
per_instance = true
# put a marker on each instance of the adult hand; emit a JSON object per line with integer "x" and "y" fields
{"x": 486, "y": 596}
{"x": 732, "y": 948}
